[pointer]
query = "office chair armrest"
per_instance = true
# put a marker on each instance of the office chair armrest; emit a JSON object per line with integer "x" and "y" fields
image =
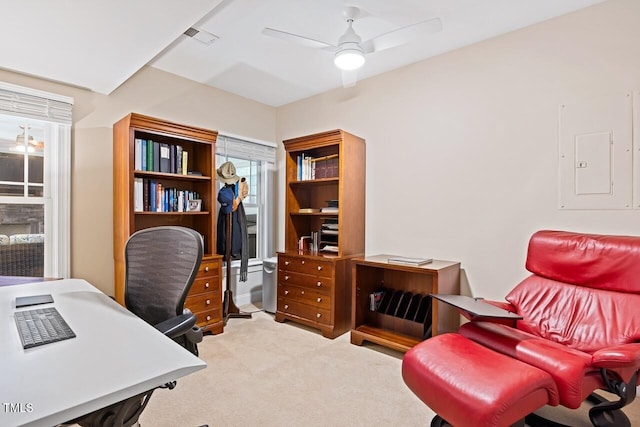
{"x": 177, "y": 326}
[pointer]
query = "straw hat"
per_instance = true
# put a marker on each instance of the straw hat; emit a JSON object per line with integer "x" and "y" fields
{"x": 227, "y": 173}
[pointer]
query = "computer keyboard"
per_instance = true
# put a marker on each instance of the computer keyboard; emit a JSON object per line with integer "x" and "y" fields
{"x": 41, "y": 326}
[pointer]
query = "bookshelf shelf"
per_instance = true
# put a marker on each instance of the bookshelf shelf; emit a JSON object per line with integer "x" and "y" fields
{"x": 171, "y": 176}
{"x": 131, "y": 212}
{"x": 173, "y": 213}
{"x": 325, "y": 274}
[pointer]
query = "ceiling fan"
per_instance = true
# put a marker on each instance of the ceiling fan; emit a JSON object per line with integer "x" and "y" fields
{"x": 350, "y": 50}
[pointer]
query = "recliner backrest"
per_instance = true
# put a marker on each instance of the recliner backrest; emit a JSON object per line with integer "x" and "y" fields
{"x": 584, "y": 291}
{"x": 160, "y": 266}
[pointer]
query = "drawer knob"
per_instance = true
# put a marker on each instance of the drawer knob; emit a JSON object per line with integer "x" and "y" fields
{"x": 319, "y": 299}
{"x": 286, "y": 277}
{"x": 286, "y": 263}
{"x": 302, "y": 262}
{"x": 286, "y": 292}
{"x": 319, "y": 267}
{"x": 318, "y": 315}
{"x": 206, "y": 285}
{"x": 208, "y": 302}
{"x": 206, "y": 268}
{"x": 208, "y": 317}
{"x": 286, "y": 306}
{"x": 319, "y": 284}
{"x": 302, "y": 292}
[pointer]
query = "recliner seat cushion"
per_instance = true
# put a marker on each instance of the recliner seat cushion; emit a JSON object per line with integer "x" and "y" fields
{"x": 570, "y": 369}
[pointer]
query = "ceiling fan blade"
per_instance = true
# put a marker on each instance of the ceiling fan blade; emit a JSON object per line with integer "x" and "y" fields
{"x": 402, "y": 35}
{"x": 301, "y": 40}
{"x": 349, "y": 78}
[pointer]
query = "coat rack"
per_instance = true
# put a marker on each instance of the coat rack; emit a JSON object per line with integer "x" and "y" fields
{"x": 230, "y": 310}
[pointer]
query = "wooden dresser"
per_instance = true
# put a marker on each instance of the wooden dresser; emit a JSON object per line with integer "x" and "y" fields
{"x": 205, "y": 297}
{"x": 312, "y": 291}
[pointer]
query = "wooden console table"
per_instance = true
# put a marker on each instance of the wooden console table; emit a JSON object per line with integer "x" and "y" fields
{"x": 406, "y": 314}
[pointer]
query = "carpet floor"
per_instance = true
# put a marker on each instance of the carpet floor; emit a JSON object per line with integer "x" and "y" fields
{"x": 264, "y": 373}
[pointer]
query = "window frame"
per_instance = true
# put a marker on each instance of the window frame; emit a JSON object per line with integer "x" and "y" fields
{"x": 242, "y": 146}
{"x": 54, "y": 113}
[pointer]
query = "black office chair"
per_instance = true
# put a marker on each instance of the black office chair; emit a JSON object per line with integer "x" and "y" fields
{"x": 160, "y": 266}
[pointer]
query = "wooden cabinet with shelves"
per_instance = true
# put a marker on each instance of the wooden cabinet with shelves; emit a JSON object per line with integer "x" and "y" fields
{"x": 325, "y": 203}
{"x": 406, "y": 314}
{"x": 132, "y": 212}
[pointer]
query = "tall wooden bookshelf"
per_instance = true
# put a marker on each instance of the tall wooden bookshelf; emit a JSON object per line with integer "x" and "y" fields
{"x": 199, "y": 177}
{"x": 325, "y": 197}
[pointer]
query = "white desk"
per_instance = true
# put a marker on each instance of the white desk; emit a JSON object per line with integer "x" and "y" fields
{"x": 115, "y": 355}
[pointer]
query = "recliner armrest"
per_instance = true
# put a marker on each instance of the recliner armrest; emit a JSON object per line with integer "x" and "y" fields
{"x": 620, "y": 356}
{"x": 178, "y": 325}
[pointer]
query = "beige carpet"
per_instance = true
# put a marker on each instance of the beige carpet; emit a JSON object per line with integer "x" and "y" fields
{"x": 264, "y": 373}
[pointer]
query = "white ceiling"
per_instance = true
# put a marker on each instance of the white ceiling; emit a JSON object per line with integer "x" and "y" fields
{"x": 99, "y": 44}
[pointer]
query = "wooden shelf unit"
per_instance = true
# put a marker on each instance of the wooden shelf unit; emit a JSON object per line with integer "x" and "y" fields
{"x": 200, "y": 145}
{"x": 302, "y": 272}
{"x": 395, "y": 326}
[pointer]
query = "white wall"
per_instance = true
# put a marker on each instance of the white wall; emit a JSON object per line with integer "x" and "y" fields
{"x": 150, "y": 92}
{"x": 462, "y": 148}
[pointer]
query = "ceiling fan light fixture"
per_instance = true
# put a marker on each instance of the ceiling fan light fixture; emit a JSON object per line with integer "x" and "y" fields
{"x": 349, "y": 58}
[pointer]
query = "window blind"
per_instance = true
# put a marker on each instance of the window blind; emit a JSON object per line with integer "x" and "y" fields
{"x": 34, "y": 104}
{"x": 235, "y": 147}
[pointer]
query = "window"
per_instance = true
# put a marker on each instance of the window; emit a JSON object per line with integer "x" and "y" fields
{"x": 35, "y": 140}
{"x": 255, "y": 162}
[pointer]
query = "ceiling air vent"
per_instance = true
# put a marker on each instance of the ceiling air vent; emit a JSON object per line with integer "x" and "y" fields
{"x": 201, "y": 35}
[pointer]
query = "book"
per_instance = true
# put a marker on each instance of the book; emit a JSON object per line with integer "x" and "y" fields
{"x": 143, "y": 164}
{"x": 165, "y": 158}
{"x": 185, "y": 161}
{"x": 409, "y": 261}
{"x": 137, "y": 156}
{"x": 156, "y": 156}
{"x": 308, "y": 210}
{"x": 329, "y": 210}
{"x": 138, "y": 195}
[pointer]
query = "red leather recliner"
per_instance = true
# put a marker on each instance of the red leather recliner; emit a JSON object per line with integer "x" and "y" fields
{"x": 580, "y": 326}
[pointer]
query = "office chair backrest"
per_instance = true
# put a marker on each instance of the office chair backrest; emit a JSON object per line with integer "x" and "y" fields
{"x": 160, "y": 266}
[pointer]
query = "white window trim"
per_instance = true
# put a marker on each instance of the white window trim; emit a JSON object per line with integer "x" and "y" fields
{"x": 266, "y": 242}
{"x": 54, "y": 108}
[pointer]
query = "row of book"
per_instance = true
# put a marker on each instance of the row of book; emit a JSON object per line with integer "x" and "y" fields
{"x": 317, "y": 167}
{"x": 151, "y": 196}
{"x": 153, "y": 156}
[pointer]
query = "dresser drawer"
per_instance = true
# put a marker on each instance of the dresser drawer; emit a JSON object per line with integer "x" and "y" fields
{"x": 304, "y": 311}
{"x": 205, "y": 284}
{"x": 202, "y": 302}
{"x": 209, "y": 317}
{"x": 322, "y": 284}
{"x": 209, "y": 268}
{"x": 306, "y": 266}
{"x": 306, "y": 296}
